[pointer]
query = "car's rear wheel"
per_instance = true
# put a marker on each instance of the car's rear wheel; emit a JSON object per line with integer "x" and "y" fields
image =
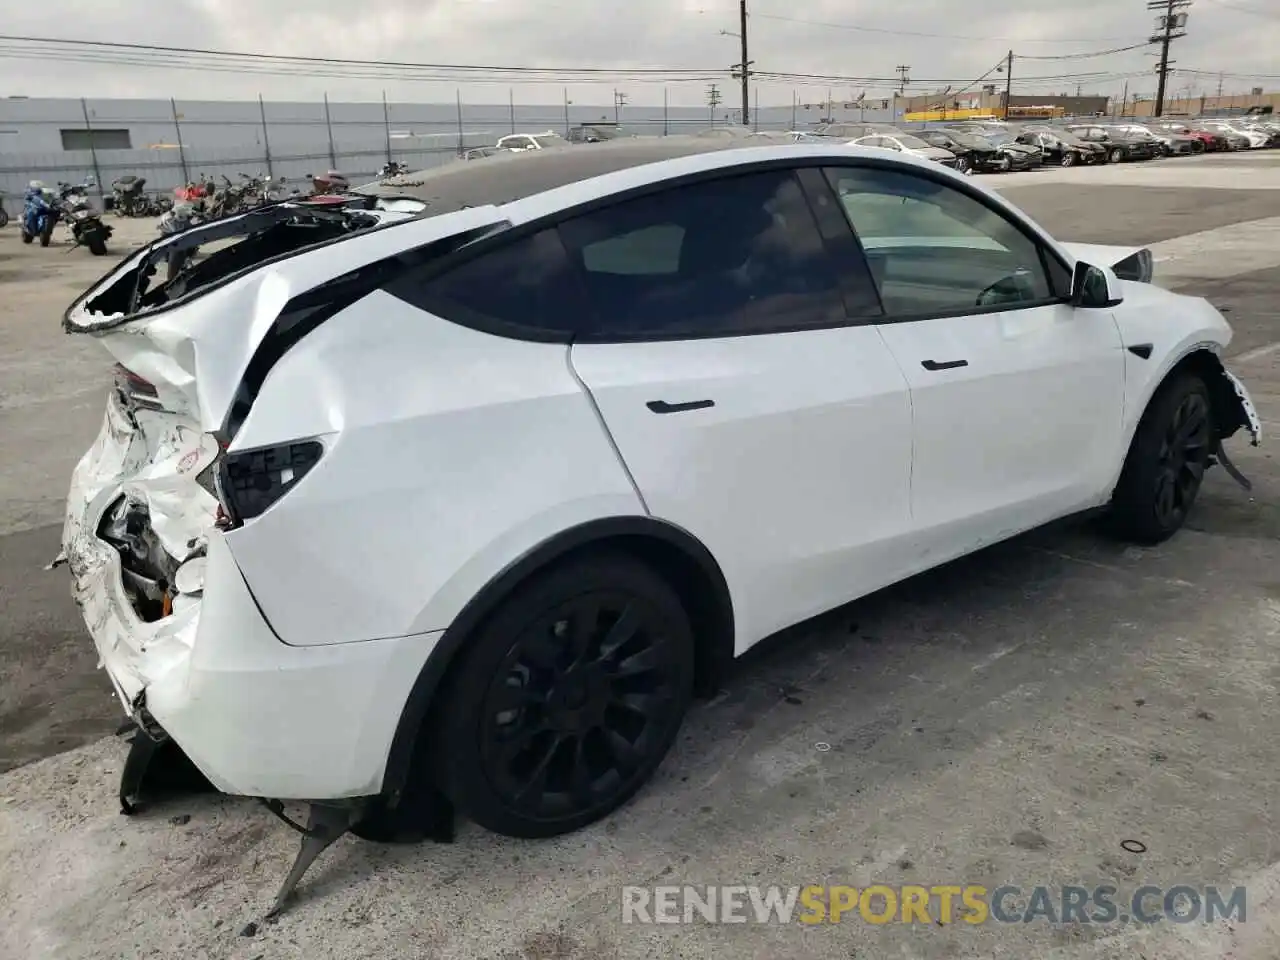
{"x": 567, "y": 699}
{"x": 1166, "y": 462}
{"x": 1068, "y": 158}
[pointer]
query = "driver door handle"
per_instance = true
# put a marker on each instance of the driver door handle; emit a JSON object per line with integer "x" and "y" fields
{"x": 943, "y": 364}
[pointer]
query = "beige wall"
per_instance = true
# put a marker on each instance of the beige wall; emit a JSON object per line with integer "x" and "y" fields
{"x": 1199, "y": 105}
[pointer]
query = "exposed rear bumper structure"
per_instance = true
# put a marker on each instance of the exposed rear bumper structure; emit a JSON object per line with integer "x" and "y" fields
{"x": 258, "y": 717}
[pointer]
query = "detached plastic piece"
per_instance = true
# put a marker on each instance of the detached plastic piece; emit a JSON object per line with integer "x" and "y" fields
{"x": 325, "y": 825}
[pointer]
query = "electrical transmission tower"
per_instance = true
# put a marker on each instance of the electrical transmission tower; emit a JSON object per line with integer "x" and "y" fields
{"x": 1170, "y": 26}
{"x": 714, "y": 100}
{"x": 903, "y": 75}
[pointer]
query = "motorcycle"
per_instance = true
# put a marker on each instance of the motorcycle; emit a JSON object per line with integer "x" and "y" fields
{"x": 40, "y": 213}
{"x": 127, "y": 198}
{"x": 87, "y": 228}
{"x": 180, "y": 219}
{"x": 393, "y": 168}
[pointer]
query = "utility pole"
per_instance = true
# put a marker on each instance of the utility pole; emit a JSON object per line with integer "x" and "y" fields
{"x": 713, "y": 100}
{"x": 742, "y": 70}
{"x": 903, "y": 70}
{"x": 1008, "y": 83}
{"x": 746, "y": 64}
{"x": 1169, "y": 26}
{"x": 619, "y": 101}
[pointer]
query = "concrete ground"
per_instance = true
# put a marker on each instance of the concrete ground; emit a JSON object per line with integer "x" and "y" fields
{"x": 1010, "y": 718}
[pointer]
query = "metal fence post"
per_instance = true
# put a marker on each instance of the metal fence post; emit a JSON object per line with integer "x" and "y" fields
{"x": 793, "y": 109}
{"x": 266, "y": 139}
{"x": 755, "y": 116}
{"x": 664, "y": 111}
{"x": 458, "y": 98}
{"x": 182, "y": 150}
{"x": 386, "y": 124}
{"x": 333, "y": 160}
{"x": 511, "y": 105}
{"x": 93, "y": 150}
{"x": 566, "y": 111}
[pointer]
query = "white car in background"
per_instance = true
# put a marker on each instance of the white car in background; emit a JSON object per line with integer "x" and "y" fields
{"x": 1257, "y": 138}
{"x": 520, "y": 142}
{"x": 908, "y": 144}
{"x": 462, "y": 507}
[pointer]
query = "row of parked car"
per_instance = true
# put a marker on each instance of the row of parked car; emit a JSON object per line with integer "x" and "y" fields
{"x": 989, "y": 145}
{"x": 979, "y": 146}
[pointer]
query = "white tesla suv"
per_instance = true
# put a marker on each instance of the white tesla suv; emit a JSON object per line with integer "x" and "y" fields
{"x": 462, "y": 488}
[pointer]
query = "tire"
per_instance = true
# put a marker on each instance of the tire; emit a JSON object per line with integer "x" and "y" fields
{"x": 1117, "y": 155}
{"x": 1068, "y": 158}
{"x": 97, "y": 245}
{"x": 46, "y": 235}
{"x": 27, "y": 237}
{"x": 963, "y": 165}
{"x": 4, "y": 217}
{"x": 1166, "y": 462}
{"x": 542, "y": 676}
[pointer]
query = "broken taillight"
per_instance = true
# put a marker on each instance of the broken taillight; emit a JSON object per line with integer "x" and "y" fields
{"x": 249, "y": 481}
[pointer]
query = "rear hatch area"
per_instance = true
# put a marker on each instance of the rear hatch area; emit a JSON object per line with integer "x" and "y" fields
{"x": 189, "y": 350}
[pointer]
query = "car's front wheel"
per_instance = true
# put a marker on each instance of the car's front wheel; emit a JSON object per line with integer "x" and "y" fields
{"x": 1166, "y": 463}
{"x": 567, "y": 699}
{"x": 1117, "y": 155}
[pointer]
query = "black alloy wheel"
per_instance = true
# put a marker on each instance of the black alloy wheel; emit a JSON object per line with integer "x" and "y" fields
{"x": 1184, "y": 457}
{"x": 568, "y": 700}
{"x": 1166, "y": 463}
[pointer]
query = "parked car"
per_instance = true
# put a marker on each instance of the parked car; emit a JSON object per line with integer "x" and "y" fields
{"x": 847, "y": 131}
{"x": 971, "y": 151}
{"x": 391, "y": 511}
{"x": 1239, "y": 137}
{"x": 1063, "y": 148}
{"x": 1213, "y": 140}
{"x": 910, "y": 144}
{"x": 1021, "y": 156}
{"x": 519, "y": 142}
{"x": 1121, "y": 147}
{"x": 596, "y": 132}
{"x": 1171, "y": 143}
{"x": 479, "y": 153}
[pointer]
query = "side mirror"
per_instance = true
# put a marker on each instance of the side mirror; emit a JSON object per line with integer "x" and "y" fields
{"x": 1094, "y": 287}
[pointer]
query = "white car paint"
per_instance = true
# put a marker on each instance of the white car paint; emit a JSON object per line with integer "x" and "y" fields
{"x": 891, "y": 142}
{"x": 829, "y": 467}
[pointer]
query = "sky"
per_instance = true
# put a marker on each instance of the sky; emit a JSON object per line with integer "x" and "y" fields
{"x": 846, "y": 46}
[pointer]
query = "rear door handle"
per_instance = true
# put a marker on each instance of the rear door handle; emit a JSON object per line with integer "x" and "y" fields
{"x": 661, "y": 406}
{"x": 943, "y": 364}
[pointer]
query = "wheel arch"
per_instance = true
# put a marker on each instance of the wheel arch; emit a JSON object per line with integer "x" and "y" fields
{"x": 1202, "y": 359}
{"x": 673, "y": 552}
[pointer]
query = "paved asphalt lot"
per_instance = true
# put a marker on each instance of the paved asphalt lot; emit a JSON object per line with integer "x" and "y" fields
{"x": 1010, "y": 718}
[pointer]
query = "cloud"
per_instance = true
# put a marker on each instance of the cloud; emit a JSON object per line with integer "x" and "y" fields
{"x": 942, "y": 41}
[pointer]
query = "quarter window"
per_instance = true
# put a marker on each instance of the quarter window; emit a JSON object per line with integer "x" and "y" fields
{"x": 935, "y": 250}
{"x": 527, "y": 284}
{"x": 739, "y": 255}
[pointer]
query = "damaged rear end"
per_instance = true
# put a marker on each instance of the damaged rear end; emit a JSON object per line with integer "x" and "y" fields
{"x": 150, "y": 501}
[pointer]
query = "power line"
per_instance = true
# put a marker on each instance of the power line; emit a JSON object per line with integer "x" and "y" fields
{"x": 936, "y": 36}
{"x": 1257, "y": 13}
{"x": 1085, "y": 56}
{"x": 104, "y": 46}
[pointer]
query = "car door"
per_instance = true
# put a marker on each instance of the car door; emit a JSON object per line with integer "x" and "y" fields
{"x": 747, "y": 405}
{"x": 1017, "y": 396}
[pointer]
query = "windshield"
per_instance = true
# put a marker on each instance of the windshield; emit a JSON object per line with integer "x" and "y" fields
{"x": 911, "y": 142}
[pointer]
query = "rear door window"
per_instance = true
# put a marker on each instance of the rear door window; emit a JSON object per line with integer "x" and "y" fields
{"x": 727, "y": 257}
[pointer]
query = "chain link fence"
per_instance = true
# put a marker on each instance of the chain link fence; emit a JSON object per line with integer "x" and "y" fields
{"x": 172, "y": 143}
